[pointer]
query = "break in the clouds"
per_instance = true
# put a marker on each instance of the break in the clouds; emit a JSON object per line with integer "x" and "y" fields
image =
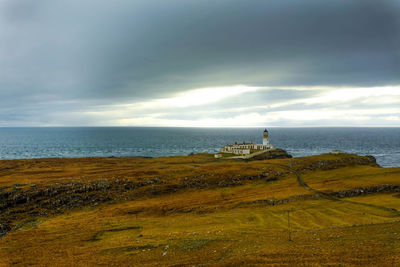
{"x": 199, "y": 63}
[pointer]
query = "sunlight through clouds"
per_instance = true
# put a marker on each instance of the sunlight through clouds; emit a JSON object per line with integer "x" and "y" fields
{"x": 200, "y": 96}
{"x": 207, "y": 107}
{"x": 350, "y": 94}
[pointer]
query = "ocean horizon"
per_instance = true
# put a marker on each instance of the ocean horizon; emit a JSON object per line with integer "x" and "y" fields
{"x": 71, "y": 142}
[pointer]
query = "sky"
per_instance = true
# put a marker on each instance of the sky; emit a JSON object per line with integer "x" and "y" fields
{"x": 200, "y": 63}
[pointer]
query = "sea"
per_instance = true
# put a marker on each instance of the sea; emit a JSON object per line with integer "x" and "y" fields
{"x": 66, "y": 142}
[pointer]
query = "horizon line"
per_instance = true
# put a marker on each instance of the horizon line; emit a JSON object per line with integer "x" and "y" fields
{"x": 155, "y": 126}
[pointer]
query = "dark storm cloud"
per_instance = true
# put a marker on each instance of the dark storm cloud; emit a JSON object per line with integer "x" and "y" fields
{"x": 103, "y": 52}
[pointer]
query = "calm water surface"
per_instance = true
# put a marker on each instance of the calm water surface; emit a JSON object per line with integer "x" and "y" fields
{"x": 17, "y": 143}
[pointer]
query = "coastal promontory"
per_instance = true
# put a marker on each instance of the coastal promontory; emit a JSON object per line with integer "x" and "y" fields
{"x": 330, "y": 209}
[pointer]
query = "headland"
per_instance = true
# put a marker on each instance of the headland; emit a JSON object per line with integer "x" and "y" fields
{"x": 330, "y": 209}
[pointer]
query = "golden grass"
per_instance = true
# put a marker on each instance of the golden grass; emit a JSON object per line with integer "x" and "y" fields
{"x": 218, "y": 226}
{"x": 389, "y": 200}
{"x": 351, "y": 177}
{"x": 255, "y": 234}
{"x": 48, "y": 171}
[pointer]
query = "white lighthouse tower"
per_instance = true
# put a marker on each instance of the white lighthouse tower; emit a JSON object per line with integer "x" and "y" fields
{"x": 266, "y": 138}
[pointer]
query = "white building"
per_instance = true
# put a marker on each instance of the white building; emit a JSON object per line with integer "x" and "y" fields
{"x": 248, "y": 148}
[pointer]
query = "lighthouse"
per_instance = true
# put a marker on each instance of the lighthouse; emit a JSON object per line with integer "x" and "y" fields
{"x": 265, "y": 138}
{"x": 244, "y": 148}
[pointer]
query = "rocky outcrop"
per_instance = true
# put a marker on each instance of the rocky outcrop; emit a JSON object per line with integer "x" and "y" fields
{"x": 4, "y": 229}
{"x": 275, "y": 153}
{"x": 64, "y": 196}
{"x": 386, "y": 188}
{"x": 329, "y": 164}
{"x": 69, "y": 195}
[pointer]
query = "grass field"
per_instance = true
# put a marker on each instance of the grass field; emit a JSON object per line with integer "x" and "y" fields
{"x": 204, "y": 212}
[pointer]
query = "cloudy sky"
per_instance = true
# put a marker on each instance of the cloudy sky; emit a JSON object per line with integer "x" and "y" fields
{"x": 199, "y": 63}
